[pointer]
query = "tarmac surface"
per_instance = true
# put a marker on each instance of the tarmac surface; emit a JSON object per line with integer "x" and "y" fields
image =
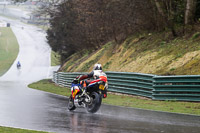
{"x": 27, "y": 108}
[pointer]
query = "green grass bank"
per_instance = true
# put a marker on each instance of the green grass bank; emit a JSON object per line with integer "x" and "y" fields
{"x": 55, "y": 59}
{"x": 9, "y": 49}
{"x": 17, "y": 130}
{"x": 127, "y": 100}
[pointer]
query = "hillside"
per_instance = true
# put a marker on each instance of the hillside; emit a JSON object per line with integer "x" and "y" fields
{"x": 153, "y": 53}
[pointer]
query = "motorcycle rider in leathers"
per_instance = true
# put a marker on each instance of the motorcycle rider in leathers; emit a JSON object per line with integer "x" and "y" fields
{"x": 96, "y": 74}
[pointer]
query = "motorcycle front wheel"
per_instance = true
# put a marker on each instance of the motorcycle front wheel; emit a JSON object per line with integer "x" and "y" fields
{"x": 71, "y": 105}
{"x": 95, "y": 103}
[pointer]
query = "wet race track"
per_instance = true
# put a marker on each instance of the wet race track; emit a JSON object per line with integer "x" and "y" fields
{"x": 27, "y": 108}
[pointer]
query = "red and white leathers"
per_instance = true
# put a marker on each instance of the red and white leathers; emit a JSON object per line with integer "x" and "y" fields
{"x": 96, "y": 74}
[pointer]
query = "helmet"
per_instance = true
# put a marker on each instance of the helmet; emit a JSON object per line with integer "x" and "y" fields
{"x": 97, "y": 67}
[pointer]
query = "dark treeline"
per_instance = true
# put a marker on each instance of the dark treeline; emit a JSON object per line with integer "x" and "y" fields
{"x": 15, "y": 1}
{"x": 88, "y": 24}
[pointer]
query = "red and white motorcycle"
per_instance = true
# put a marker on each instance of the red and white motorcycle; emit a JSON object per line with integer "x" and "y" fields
{"x": 88, "y": 94}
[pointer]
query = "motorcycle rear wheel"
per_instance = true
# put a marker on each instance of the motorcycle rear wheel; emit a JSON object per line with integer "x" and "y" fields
{"x": 95, "y": 103}
{"x": 71, "y": 105}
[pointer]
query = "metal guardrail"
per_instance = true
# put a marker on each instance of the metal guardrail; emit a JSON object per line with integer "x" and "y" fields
{"x": 131, "y": 83}
{"x": 180, "y": 88}
{"x": 64, "y": 78}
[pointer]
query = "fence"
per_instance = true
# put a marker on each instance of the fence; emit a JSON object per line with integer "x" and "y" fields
{"x": 185, "y": 88}
{"x": 180, "y": 88}
{"x": 64, "y": 79}
{"x": 131, "y": 83}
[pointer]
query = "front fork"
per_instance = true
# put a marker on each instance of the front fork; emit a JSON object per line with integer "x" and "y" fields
{"x": 87, "y": 97}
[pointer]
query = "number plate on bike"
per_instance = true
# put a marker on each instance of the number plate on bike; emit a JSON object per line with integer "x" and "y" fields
{"x": 101, "y": 87}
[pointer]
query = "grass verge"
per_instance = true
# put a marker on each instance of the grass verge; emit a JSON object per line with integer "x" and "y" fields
{"x": 48, "y": 86}
{"x": 9, "y": 49}
{"x": 17, "y": 130}
{"x": 55, "y": 59}
{"x": 127, "y": 100}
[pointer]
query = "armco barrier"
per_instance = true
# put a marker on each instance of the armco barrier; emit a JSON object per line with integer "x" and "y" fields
{"x": 131, "y": 83}
{"x": 180, "y": 88}
{"x": 64, "y": 78}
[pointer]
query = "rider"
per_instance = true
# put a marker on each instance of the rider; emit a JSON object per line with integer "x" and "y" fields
{"x": 18, "y": 64}
{"x": 97, "y": 73}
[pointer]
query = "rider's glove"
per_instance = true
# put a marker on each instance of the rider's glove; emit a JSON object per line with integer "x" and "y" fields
{"x": 75, "y": 81}
{"x": 78, "y": 78}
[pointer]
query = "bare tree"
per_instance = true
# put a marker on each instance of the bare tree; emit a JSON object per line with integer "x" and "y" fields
{"x": 190, "y": 11}
{"x": 169, "y": 11}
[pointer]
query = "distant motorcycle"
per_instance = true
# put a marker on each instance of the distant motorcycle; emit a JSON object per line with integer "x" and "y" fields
{"x": 18, "y": 65}
{"x": 90, "y": 96}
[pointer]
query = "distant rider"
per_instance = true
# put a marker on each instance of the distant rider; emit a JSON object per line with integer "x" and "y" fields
{"x": 18, "y": 65}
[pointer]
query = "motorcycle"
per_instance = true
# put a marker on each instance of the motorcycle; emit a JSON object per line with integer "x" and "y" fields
{"x": 18, "y": 66}
{"x": 88, "y": 95}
